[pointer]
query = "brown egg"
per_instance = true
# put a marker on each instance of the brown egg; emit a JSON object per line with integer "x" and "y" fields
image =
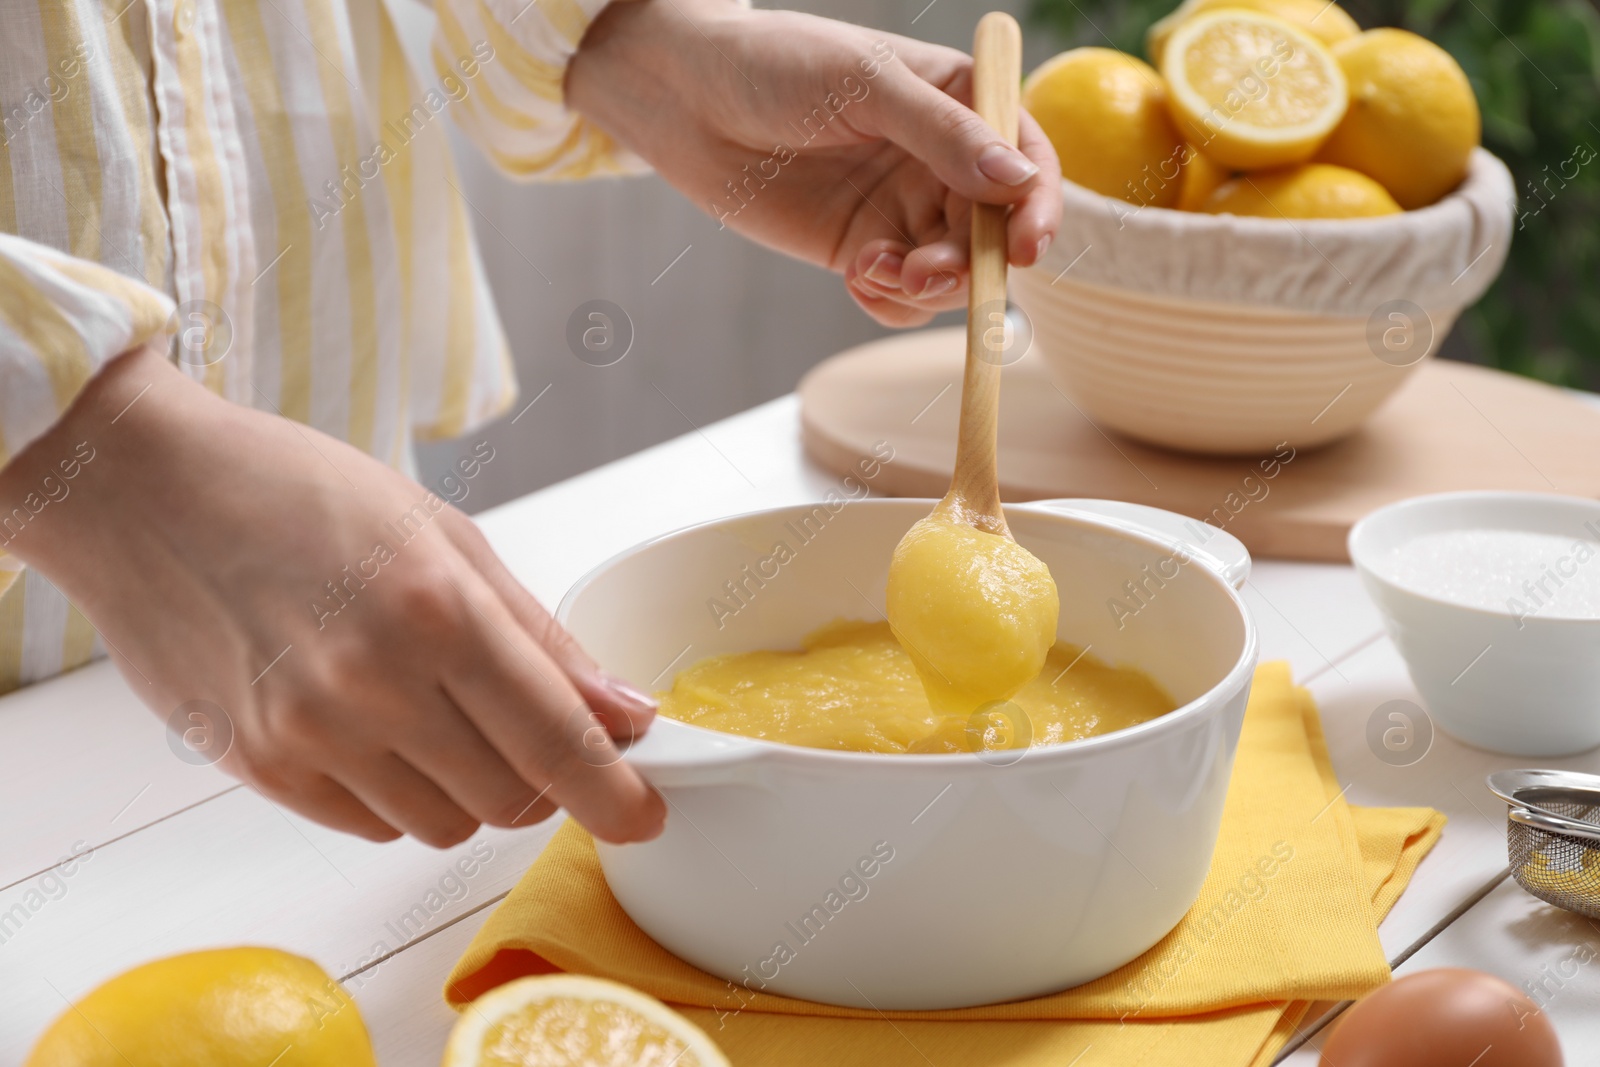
{"x": 1449, "y": 1017}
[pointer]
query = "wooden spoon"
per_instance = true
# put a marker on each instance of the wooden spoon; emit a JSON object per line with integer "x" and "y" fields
{"x": 974, "y": 610}
{"x": 974, "y": 496}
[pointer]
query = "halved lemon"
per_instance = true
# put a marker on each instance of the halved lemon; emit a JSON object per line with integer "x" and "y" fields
{"x": 568, "y": 1020}
{"x": 1323, "y": 19}
{"x": 1250, "y": 90}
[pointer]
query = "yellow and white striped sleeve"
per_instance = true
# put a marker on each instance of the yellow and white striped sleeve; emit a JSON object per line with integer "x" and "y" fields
{"x": 509, "y": 58}
{"x": 61, "y": 320}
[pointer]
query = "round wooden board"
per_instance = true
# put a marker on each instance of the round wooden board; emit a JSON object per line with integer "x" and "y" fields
{"x": 1452, "y": 426}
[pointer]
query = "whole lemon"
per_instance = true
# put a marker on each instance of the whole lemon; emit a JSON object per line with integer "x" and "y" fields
{"x": 1307, "y": 191}
{"x": 234, "y": 1007}
{"x": 1201, "y": 176}
{"x": 1106, "y": 113}
{"x": 1325, "y": 21}
{"x": 1412, "y": 122}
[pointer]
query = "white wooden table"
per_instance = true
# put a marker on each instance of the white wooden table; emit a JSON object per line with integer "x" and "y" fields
{"x": 179, "y": 857}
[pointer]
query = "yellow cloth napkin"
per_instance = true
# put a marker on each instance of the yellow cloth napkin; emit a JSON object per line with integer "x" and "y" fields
{"x": 1287, "y": 916}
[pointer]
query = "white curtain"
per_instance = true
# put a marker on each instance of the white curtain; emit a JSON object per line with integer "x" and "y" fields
{"x": 726, "y": 326}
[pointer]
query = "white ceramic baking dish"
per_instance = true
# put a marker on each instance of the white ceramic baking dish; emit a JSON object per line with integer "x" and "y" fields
{"x": 933, "y": 881}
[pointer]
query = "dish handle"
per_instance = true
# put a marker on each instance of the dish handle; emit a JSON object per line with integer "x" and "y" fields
{"x": 675, "y": 755}
{"x": 1215, "y": 548}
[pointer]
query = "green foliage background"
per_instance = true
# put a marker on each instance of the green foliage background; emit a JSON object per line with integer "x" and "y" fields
{"x": 1535, "y": 65}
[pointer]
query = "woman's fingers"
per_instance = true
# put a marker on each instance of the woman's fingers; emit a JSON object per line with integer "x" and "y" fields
{"x": 951, "y": 149}
{"x": 936, "y": 272}
{"x": 1036, "y": 218}
{"x": 961, "y": 149}
{"x": 323, "y": 801}
{"x": 442, "y": 743}
{"x": 526, "y": 707}
{"x": 874, "y": 278}
{"x": 887, "y": 311}
{"x": 525, "y": 721}
{"x": 405, "y": 798}
{"x": 931, "y": 277}
{"x": 626, "y": 711}
{"x": 877, "y": 266}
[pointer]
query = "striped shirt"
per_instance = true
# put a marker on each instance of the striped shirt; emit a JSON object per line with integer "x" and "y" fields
{"x": 262, "y": 188}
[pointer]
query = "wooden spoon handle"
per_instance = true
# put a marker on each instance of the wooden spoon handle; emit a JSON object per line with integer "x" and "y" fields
{"x": 996, "y": 81}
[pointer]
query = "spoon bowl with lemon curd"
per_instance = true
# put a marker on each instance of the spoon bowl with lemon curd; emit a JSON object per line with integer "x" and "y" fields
{"x": 956, "y": 859}
{"x": 974, "y": 610}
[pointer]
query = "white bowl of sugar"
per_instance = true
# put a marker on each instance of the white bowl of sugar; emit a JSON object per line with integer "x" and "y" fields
{"x": 1494, "y": 602}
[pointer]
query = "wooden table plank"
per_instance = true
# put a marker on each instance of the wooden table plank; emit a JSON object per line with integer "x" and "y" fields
{"x": 236, "y": 870}
{"x": 83, "y": 763}
{"x": 402, "y": 1000}
{"x": 1312, "y": 614}
{"x": 1450, "y": 778}
{"x": 1552, "y": 955}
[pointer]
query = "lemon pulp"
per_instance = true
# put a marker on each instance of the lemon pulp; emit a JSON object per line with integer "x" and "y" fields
{"x": 853, "y": 687}
{"x": 584, "y": 1032}
{"x": 1325, "y": 21}
{"x": 571, "y": 1020}
{"x": 1250, "y": 90}
{"x": 976, "y": 612}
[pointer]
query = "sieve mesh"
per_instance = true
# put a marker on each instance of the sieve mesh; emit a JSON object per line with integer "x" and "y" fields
{"x": 1557, "y": 868}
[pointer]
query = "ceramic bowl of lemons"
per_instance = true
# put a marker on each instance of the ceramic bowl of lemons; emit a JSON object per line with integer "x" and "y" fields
{"x": 1268, "y": 228}
{"x": 921, "y": 876}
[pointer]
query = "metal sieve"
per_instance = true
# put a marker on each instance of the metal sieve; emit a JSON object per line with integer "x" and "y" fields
{"x": 1553, "y": 835}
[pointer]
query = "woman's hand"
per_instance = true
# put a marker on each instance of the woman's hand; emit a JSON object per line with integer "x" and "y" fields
{"x": 379, "y": 668}
{"x": 840, "y": 145}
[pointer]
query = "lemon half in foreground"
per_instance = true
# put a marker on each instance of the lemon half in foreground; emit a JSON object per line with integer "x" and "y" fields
{"x": 1252, "y": 91}
{"x": 217, "y": 1008}
{"x": 568, "y": 1020}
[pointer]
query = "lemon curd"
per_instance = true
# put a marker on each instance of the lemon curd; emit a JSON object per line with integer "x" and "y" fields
{"x": 853, "y": 687}
{"x": 976, "y": 612}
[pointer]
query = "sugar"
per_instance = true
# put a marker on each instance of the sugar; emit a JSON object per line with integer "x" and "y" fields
{"x": 1513, "y": 571}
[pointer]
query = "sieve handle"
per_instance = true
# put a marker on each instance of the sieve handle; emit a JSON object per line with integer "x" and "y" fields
{"x": 1554, "y": 824}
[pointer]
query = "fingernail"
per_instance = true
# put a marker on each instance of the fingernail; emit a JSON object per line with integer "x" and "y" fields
{"x": 937, "y": 285}
{"x": 864, "y": 291}
{"x": 885, "y": 270}
{"x": 1006, "y": 165}
{"x": 633, "y": 700}
{"x": 1044, "y": 245}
